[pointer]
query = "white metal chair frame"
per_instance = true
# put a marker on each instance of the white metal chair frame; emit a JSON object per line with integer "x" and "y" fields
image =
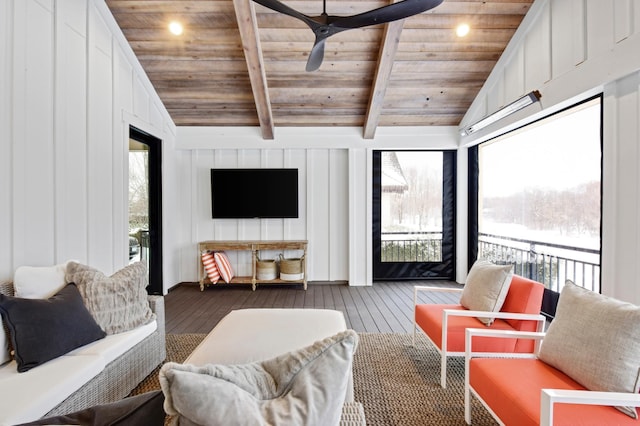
{"x": 446, "y": 313}
{"x": 548, "y": 397}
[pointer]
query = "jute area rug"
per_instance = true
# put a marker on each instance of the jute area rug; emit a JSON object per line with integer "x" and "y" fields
{"x": 397, "y": 383}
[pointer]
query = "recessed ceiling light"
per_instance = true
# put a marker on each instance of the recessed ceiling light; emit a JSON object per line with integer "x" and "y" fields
{"x": 175, "y": 28}
{"x": 462, "y": 30}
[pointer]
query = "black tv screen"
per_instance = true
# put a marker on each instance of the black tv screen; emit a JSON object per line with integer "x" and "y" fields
{"x": 254, "y": 193}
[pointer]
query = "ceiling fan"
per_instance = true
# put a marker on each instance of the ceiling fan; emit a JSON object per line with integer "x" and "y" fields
{"x": 324, "y": 26}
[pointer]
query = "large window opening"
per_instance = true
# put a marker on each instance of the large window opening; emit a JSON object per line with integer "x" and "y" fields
{"x": 413, "y": 214}
{"x": 539, "y": 198}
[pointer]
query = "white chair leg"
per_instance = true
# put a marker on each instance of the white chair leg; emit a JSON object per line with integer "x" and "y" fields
{"x": 467, "y": 404}
{"x": 443, "y": 370}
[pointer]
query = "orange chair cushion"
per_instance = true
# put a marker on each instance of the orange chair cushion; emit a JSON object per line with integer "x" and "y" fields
{"x": 429, "y": 318}
{"x": 511, "y": 388}
{"x": 525, "y": 297}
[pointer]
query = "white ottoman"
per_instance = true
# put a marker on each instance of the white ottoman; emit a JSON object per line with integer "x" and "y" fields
{"x": 249, "y": 335}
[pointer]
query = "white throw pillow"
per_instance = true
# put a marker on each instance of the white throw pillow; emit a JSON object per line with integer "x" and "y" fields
{"x": 486, "y": 288}
{"x": 595, "y": 340}
{"x": 39, "y": 282}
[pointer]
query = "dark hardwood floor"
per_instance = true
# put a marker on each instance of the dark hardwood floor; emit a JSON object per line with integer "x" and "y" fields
{"x": 385, "y": 307}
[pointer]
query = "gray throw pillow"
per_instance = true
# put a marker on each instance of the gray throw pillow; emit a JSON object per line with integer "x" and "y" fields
{"x": 595, "y": 340}
{"x": 486, "y": 288}
{"x": 44, "y": 329}
{"x": 304, "y": 387}
{"x": 118, "y": 303}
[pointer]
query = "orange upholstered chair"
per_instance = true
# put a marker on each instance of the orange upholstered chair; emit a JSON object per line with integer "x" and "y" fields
{"x": 583, "y": 373}
{"x": 445, "y": 324}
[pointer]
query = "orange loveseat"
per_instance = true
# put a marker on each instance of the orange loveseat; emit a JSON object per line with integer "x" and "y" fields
{"x": 524, "y": 391}
{"x": 445, "y": 324}
{"x": 585, "y": 369}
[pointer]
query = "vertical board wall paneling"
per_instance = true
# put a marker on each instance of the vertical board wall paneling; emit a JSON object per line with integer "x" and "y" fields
{"x": 99, "y": 149}
{"x": 497, "y": 98}
{"x": 338, "y": 212}
{"x": 192, "y": 186}
{"x": 296, "y": 228}
{"x": 6, "y": 138}
{"x": 140, "y": 99}
{"x": 271, "y": 229}
{"x": 120, "y": 161}
{"x": 122, "y": 103}
{"x": 627, "y": 221}
{"x": 71, "y": 131}
{"x": 203, "y": 162}
{"x": 600, "y": 31}
{"x": 567, "y": 41}
{"x": 537, "y": 51}
{"x": 359, "y": 229}
{"x": 622, "y": 19}
{"x": 514, "y": 78}
{"x": 33, "y": 174}
{"x": 320, "y": 203}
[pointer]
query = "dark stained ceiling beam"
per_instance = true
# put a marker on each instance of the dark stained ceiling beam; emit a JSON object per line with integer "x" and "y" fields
{"x": 248, "y": 26}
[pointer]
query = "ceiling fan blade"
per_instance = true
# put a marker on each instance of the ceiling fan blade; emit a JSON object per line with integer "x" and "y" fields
{"x": 277, "y": 6}
{"x": 381, "y": 15}
{"x": 316, "y": 55}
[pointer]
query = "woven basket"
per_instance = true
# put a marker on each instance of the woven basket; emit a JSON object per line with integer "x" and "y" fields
{"x": 291, "y": 269}
{"x": 266, "y": 269}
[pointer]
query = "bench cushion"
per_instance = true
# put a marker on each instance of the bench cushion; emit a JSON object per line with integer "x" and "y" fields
{"x": 429, "y": 318}
{"x": 114, "y": 345}
{"x": 511, "y": 387}
{"x": 30, "y": 395}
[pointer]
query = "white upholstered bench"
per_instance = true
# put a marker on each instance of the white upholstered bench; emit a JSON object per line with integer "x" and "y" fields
{"x": 249, "y": 335}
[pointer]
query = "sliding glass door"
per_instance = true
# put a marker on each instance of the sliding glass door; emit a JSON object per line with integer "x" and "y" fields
{"x": 413, "y": 215}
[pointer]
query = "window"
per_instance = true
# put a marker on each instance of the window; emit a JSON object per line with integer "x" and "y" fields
{"x": 539, "y": 198}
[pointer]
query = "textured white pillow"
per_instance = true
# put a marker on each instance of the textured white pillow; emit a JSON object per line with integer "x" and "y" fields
{"x": 39, "y": 282}
{"x": 595, "y": 340}
{"x": 118, "y": 303}
{"x": 304, "y": 387}
{"x": 486, "y": 288}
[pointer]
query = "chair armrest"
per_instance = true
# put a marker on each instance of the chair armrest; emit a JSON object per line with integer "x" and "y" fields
{"x": 470, "y": 333}
{"x": 500, "y": 333}
{"x": 501, "y": 315}
{"x": 549, "y": 397}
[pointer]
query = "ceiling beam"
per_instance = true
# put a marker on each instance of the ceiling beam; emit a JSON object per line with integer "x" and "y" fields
{"x": 248, "y": 26}
{"x": 386, "y": 57}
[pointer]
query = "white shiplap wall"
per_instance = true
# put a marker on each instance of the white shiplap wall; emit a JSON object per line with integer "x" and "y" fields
{"x": 335, "y": 191}
{"x": 570, "y": 50}
{"x": 71, "y": 87}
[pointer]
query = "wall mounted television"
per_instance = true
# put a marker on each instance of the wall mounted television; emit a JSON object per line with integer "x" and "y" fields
{"x": 254, "y": 193}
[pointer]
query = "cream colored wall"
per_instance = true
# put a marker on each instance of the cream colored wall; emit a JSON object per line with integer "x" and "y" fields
{"x": 570, "y": 50}
{"x": 71, "y": 87}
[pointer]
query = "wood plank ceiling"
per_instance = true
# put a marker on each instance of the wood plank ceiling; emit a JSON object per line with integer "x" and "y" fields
{"x": 415, "y": 72}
